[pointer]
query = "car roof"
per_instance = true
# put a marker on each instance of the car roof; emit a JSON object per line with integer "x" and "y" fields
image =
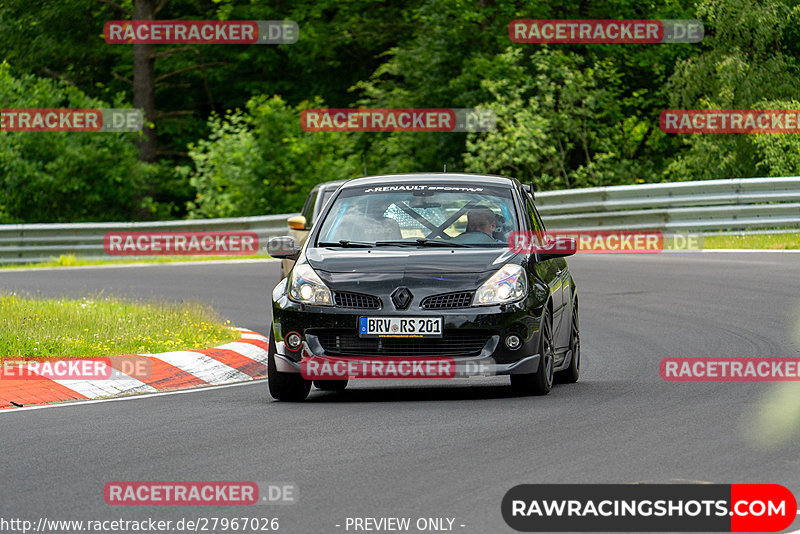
{"x": 442, "y": 177}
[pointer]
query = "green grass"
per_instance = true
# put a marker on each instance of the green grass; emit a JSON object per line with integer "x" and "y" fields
{"x": 105, "y": 326}
{"x": 71, "y": 260}
{"x": 762, "y": 241}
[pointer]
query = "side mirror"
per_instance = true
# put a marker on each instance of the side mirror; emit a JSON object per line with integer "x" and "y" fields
{"x": 298, "y": 222}
{"x": 283, "y": 247}
{"x": 558, "y": 247}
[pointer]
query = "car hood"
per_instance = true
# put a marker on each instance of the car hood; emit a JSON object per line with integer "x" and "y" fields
{"x": 379, "y": 271}
{"x": 408, "y": 260}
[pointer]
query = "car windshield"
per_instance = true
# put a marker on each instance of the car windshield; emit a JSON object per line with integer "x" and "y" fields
{"x": 420, "y": 214}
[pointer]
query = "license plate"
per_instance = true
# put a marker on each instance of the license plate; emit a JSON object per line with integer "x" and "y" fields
{"x": 400, "y": 327}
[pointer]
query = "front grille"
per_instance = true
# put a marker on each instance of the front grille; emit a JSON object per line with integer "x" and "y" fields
{"x": 347, "y": 299}
{"x": 452, "y": 343}
{"x": 448, "y": 301}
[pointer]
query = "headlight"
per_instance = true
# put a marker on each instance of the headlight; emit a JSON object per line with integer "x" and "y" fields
{"x": 305, "y": 286}
{"x": 506, "y": 285}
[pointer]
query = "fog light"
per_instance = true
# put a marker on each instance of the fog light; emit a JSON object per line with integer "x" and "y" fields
{"x": 513, "y": 342}
{"x": 293, "y": 341}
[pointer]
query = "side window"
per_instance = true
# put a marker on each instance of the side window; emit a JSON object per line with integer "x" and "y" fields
{"x": 533, "y": 216}
{"x": 308, "y": 208}
{"x": 539, "y": 221}
{"x": 324, "y": 197}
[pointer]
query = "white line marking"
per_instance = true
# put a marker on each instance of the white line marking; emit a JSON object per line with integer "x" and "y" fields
{"x": 273, "y": 260}
{"x": 128, "y": 398}
{"x": 732, "y": 250}
{"x": 795, "y": 531}
{"x": 139, "y": 264}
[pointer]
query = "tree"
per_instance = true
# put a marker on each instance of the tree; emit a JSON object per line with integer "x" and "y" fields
{"x": 261, "y": 161}
{"x": 749, "y": 61}
{"x": 457, "y": 57}
{"x": 560, "y": 124}
{"x": 180, "y": 86}
{"x": 68, "y": 177}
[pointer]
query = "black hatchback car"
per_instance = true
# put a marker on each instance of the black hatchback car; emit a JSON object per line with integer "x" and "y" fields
{"x": 413, "y": 266}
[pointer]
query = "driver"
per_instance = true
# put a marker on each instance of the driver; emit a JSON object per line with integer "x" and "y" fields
{"x": 481, "y": 220}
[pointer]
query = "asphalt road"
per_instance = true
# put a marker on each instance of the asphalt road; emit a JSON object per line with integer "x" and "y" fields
{"x": 442, "y": 450}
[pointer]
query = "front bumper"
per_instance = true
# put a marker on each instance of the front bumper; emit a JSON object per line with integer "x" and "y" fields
{"x": 483, "y": 366}
{"x": 318, "y": 325}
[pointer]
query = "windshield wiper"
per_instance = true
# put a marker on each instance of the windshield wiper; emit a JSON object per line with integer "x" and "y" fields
{"x": 345, "y": 243}
{"x": 435, "y": 243}
{"x": 422, "y": 243}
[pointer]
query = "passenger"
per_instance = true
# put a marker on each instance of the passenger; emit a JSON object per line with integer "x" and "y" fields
{"x": 370, "y": 226}
{"x": 381, "y": 227}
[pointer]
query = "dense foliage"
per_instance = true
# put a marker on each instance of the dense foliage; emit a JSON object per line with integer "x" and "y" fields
{"x": 227, "y": 124}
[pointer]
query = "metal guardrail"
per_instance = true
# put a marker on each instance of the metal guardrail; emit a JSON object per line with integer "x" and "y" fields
{"x": 701, "y": 206}
{"x": 30, "y": 243}
{"x": 709, "y": 206}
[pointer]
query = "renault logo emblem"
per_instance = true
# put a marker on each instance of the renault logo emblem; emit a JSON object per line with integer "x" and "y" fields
{"x": 402, "y": 298}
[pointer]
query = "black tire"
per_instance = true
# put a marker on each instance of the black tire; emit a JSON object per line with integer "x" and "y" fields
{"x": 287, "y": 387}
{"x": 571, "y": 374}
{"x": 330, "y": 385}
{"x": 540, "y": 382}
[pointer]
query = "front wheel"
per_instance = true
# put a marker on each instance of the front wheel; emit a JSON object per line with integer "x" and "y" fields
{"x": 540, "y": 382}
{"x": 288, "y": 387}
{"x": 571, "y": 374}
